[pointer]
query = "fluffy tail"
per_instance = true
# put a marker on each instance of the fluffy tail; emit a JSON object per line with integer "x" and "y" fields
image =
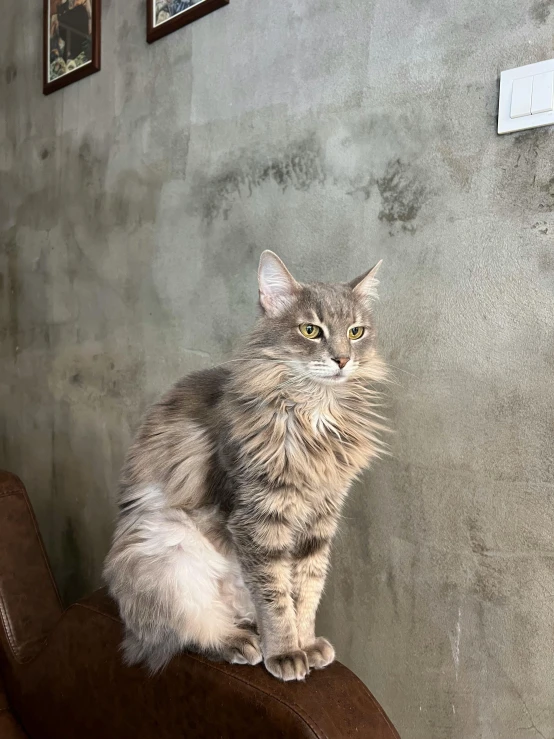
{"x": 154, "y": 654}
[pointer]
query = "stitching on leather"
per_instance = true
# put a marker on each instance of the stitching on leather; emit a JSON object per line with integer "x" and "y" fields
{"x": 11, "y": 491}
{"x": 12, "y": 641}
{"x": 318, "y": 733}
{"x": 21, "y": 491}
{"x": 45, "y": 559}
{"x": 8, "y": 629}
{"x": 4, "y": 612}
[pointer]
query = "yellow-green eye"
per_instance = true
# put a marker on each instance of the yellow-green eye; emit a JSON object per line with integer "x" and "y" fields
{"x": 356, "y": 332}
{"x": 309, "y": 330}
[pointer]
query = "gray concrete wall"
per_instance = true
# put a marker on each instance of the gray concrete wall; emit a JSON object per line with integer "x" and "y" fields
{"x": 134, "y": 206}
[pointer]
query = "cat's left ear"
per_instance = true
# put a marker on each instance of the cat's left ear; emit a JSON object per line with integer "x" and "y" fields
{"x": 365, "y": 286}
{"x": 278, "y": 288}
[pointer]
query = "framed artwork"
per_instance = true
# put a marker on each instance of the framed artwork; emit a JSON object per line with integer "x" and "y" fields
{"x": 71, "y": 42}
{"x": 166, "y": 16}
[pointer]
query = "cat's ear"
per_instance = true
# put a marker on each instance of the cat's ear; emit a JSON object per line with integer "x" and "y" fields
{"x": 365, "y": 286}
{"x": 278, "y": 288}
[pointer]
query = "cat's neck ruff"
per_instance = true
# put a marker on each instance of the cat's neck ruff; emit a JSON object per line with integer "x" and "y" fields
{"x": 281, "y": 423}
{"x": 269, "y": 381}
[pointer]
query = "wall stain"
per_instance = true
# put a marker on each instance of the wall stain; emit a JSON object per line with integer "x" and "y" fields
{"x": 92, "y": 209}
{"x": 402, "y": 195}
{"x": 13, "y": 288}
{"x": 541, "y": 227}
{"x": 299, "y": 166}
{"x": 10, "y": 74}
{"x": 526, "y": 184}
{"x": 392, "y": 587}
{"x": 489, "y": 575}
{"x": 490, "y": 581}
{"x": 477, "y": 542}
{"x": 548, "y": 189}
{"x": 364, "y": 190}
{"x": 540, "y": 11}
{"x": 546, "y": 261}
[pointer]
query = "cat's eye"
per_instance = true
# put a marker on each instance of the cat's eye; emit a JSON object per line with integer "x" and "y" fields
{"x": 356, "y": 332}
{"x": 309, "y": 330}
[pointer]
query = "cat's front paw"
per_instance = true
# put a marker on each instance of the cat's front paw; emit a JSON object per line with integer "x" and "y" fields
{"x": 288, "y": 666}
{"x": 320, "y": 654}
{"x": 243, "y": 648}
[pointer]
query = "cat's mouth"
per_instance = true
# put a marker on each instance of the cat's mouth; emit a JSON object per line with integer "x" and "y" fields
{"x": 331, "y": 379}
{"x": 324, "y": 374}
{"x": 339, "y": 377}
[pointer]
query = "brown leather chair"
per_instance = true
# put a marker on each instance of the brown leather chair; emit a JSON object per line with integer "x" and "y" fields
{"x": 63, "y": 677}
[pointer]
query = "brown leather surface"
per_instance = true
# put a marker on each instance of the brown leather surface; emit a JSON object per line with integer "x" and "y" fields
{"x": 9, "y": 728}
{"x": 3, "y": 698}
{"x": 79, "y": 675}
{"x": 29, "y": 602}
{"x": 73, "y": 684}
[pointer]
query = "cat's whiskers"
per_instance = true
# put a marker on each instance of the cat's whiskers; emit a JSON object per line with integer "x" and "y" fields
{"x": 399, "y": 369}
{"x": 255, "y": 359}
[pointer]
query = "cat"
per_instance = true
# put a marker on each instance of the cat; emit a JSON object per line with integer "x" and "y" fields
{"x": 232, "y": 490}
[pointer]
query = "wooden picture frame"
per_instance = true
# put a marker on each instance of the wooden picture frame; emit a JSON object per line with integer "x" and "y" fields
{"x": 156, "y": 29}
{"x": 69, "y": 40}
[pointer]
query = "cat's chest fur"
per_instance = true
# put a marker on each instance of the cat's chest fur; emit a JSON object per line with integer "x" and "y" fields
{"x": 308, "y": 447}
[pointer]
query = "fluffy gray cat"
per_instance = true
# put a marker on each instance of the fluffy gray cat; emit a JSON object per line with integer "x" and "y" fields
{"x": 232, "y": 490}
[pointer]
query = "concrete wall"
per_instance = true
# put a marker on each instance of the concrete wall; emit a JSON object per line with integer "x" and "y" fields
{"x": 134, "y": 206}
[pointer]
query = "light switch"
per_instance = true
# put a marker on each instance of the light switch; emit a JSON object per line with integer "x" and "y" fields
{"x": 543, "y": 92}
{"x": 522, "y": 91}
{"x": 526, "y": 97}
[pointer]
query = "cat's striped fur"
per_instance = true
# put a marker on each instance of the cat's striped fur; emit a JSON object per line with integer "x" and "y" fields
{"x": 232, "y": 490}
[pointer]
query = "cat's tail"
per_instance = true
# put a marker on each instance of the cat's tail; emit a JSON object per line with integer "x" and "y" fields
{"x": 155, "y": 654}
{"x": 166, "y": 578}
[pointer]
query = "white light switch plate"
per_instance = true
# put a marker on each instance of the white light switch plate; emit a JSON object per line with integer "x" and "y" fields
{"x": 507, "y": 124}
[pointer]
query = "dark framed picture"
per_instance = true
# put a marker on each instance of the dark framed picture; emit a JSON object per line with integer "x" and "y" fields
{"x": 166, "y": 16}
{"x": 71, "y": 42}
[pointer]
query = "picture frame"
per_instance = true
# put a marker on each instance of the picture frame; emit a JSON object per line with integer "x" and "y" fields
{"x": 175, "y": 15}
{"x": 71, "y": 43}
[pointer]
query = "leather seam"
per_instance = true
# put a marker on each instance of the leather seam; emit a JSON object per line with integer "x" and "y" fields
{"x": 8, "y": 629}
{"x": 12, "y": 641}
{"x": 317, "y": 732}
{"x": 23, "y": 493}
{"x": 40, "y": 645}
{"x": 4, "y": 611}
{"x": 40, "y": 543}
{"x": 11, "y": 491}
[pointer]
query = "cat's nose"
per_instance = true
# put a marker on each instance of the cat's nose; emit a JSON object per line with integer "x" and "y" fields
{"x": 341, "y": 361}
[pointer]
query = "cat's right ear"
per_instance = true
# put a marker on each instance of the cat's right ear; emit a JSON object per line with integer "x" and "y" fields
{"x": 365, "y": 286}
{"x": 277, "y": 286}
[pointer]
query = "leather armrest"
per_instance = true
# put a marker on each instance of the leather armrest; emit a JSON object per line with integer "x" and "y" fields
{"x": 78, "y": 686}
{"x": 29, "y": 601}
{"x": 65, "y": 678}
